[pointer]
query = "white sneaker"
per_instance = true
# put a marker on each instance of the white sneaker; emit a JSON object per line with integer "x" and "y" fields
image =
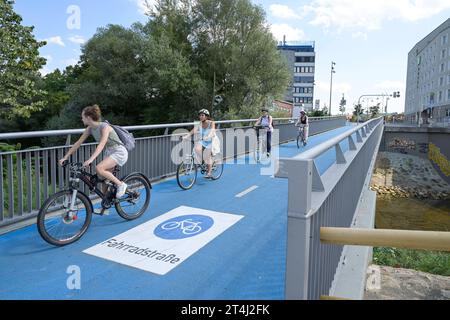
{"x": 121, "y": 190}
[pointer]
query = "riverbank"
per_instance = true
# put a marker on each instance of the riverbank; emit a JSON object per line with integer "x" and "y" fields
{"x": 411, "y": 196}
{"x": 387, "y": 283}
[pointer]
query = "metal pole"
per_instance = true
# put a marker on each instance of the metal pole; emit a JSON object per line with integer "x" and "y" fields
{"x": 426, "y": 240}
{"x": 331, "y": 85}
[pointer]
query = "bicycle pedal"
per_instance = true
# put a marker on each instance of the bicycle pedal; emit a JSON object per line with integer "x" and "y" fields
{"x": 102, "y": 212}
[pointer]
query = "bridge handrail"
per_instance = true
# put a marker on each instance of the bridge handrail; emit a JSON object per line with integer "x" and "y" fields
{"x": 316, "y": 200}
{"x": 323, "y": 147}
{"x": 66, "y": 132}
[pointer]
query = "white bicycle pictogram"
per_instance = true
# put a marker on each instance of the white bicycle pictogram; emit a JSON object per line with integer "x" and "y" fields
{"x": 187, "y": 226}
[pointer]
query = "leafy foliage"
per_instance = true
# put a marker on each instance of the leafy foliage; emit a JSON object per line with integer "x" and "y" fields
{"x": 19, "y": 65}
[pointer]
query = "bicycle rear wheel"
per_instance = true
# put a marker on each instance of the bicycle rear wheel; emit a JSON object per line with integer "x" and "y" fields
{"x": 136, "y": 199}
{"x": 57, "y": 224}
{"x": 187, "y": 173}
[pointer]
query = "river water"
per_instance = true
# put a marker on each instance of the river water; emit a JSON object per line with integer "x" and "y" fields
{"x": 413, "y": 214}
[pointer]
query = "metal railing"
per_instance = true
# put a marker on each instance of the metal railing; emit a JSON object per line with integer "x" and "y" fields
{"x": 319, "y": 200}
{"x": 28, "y": 177}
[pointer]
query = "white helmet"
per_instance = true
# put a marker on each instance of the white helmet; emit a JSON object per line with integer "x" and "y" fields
{"x": 204, "y": 111}
{"x": 302, "y": 110}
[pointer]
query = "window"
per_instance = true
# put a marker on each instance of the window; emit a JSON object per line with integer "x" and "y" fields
{"x": 441, "y": 81}
{"x": 448, "y": 95}
{"x": 304, "y": 59}
{"x": 444, "y": 39}
{"x": 442, "y": 67}
{"x": 447, "y": 113}
{"x": 440, "y": 96}
{"x": 304, "y": 79}
{"x": 443, "y": 54}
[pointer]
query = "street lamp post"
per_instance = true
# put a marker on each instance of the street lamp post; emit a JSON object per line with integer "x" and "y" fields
{"x": 331, "y": 82}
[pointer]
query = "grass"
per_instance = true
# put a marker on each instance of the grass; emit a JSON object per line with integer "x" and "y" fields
{"x": 434, "y": 262}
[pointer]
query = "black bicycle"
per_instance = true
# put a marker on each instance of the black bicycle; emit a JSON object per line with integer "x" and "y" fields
{"x": 301, "y": 137}
{"x": 66, "y": 215}
{"x": 260, "y": 153}
{"x": 187, "y": 170}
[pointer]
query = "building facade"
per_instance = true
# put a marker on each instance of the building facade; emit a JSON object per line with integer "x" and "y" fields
{"x": 428, "y": 79}
{"x": 301, "y": 58}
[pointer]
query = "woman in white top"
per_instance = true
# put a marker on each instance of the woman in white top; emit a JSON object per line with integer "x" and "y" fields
{"x": 206, "y": 131}
{"x": 266, "y": 121}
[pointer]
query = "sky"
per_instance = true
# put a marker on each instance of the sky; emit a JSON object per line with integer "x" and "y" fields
{"x": 368, "y": 40}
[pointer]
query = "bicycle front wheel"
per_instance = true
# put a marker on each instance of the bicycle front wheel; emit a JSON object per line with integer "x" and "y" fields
{"x": 136, "y": 199}
{"x": 217, "y": 168}
{"x": 187, "y": 174}
{"x": 57, "y": 224}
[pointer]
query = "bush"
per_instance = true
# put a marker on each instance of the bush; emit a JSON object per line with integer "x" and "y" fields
{"x": 434, "y": 262}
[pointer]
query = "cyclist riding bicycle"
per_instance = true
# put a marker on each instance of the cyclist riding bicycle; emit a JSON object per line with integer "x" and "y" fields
{"x": 303, "y": 122}
{"x": 206, "y": 130}
{"x": 115, "y": 152}
{"x": 266, "y": 122}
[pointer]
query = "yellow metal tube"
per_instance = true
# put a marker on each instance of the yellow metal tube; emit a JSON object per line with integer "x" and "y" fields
{"x": 422, "y": 240}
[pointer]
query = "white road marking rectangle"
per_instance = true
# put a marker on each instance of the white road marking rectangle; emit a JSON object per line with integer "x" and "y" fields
{"x": 161, "y": 244}
{"x": 243, "y": 193}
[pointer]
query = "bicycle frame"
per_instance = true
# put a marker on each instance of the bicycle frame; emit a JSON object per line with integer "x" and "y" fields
{"x": 77, "y": 174}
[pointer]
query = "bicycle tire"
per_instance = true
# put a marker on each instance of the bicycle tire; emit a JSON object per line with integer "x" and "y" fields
{"x": 180, "y": 171}
{"x": 130, "y": 193}
{"x": 219, "y": 169}
{"x": 44, "y": 211}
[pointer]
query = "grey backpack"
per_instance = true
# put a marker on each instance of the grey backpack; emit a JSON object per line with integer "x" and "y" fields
{"x": 126, "y": 137}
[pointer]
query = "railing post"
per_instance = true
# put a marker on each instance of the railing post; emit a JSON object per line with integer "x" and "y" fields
{"x": 299, "y": 227}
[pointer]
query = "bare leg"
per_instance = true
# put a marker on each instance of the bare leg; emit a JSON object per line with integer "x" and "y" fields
{"x": 198, "y": 153}
{"x": 207, "y": 157}
{"x": 104, "y": 169}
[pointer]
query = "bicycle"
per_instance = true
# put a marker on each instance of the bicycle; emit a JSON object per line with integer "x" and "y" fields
{"x": 187, "y": 226}
{"x": 260, "y": 153}
{"x": 301, "y": 136}
{"x": 187, "y": 170}
{"x": 66, "y": 215}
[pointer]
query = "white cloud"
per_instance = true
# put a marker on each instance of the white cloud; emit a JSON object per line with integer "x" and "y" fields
{"x": 292, "y": 34}
{"x": 142, "y": 5}
{"x": 45, "y": 71}
{"x": 77, "y": 39}
{"x": 56, "y": 40}
{"x": 388, "y": 85}
{"x": 283, "y": 12}
{"x": 324, "y": 87}
{"x": 362, "y": 35}
{"x": 368, "y": 14}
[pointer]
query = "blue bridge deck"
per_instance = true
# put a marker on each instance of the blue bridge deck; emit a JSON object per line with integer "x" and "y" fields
{"x": 246, "y": 261}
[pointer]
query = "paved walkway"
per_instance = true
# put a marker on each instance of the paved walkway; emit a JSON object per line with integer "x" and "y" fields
{"x": 247, "y": 261}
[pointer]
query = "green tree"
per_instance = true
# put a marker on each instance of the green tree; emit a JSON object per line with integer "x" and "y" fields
{"x": 358, "y": 111}
{"x": 374, "y": 110}
{"x": 226, "y": 48}
{"x": 19, "y": 65}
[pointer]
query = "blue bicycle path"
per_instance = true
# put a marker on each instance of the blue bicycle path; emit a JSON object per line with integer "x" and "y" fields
{"x": 247, "y": 261}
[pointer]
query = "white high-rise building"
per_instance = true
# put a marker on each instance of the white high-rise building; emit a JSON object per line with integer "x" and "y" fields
{"x": 301, "y": 59}
{"x": 428, "y": 78}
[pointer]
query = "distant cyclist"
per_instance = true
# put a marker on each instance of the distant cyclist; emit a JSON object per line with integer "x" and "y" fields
{"x": 303, "y": 122}
{"x": 206, "y": 130}
{"x": 115, "y": 152}
{"x": 266, "y": 122}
